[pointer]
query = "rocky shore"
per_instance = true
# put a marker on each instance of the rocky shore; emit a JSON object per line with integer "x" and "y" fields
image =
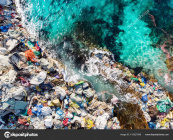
{"x": 35, "y": 95}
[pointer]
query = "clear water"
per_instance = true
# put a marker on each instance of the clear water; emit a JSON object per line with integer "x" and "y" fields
{"x": 121, "y": 26}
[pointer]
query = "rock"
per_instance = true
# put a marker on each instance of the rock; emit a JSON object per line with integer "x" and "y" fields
{"x": 153, "y": 111}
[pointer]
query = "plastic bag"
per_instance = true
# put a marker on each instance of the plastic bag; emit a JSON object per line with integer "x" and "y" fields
{"x": 4, "y": 60}
{"x": 30, "y": 55}
{"x": 12, "y": 76}
{"x": 89, "y": 92}
{"x": 48, "y": 123}
{"x": 37, "y": 110}
{"x": 76, "y": 98}
{"x": 3, "y": 51}
{"x": 39, "y": 78}
{"x": 114, "y": 100}
{"x": 15, "y": 59}
{"x": 5, "y": 28}
{"x": 46, "y": 111}
{"x": 101, "y": 122}
{"x": 11, "y": 44}
{"x": 60, "y": 91}
{"x": 58, "y": 124}
{"x": 19, "y": 93}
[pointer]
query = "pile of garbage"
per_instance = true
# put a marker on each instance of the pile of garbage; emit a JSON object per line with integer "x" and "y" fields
{"x": 139, "y": 89}
{"x": 34, "y": 94}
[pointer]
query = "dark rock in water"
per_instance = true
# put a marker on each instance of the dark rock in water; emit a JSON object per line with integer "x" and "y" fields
{"x": 153, "y": 113}
{"x": 129, "y": 120}
{"x": 137, "y": 70}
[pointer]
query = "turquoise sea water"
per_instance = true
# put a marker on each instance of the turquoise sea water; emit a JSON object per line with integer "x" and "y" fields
{"x": 124, "y": 27}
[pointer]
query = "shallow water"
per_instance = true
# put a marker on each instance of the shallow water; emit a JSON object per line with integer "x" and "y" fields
{"x": 125, "y": 28}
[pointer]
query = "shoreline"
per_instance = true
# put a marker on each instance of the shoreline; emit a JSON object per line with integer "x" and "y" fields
{"x": 138, "y": 90}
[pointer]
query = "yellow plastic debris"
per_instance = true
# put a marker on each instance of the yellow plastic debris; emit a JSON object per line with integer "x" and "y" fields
{"x": 142, "y": 84}
{"x": 89, "y": 124}
{"x": 72, "y": 104}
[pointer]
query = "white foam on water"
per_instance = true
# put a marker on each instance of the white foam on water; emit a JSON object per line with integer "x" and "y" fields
{"x": 31, "y": 27}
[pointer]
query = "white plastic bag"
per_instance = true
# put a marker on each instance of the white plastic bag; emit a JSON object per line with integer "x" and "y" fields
{"x": 46, "y": 111}
{"x": 89, "y": 92}
{"x": 18, "y": 93}
{"x": 114, "y": 100}
{"x": 4, "y": 60}
{"x": 76, "y": 98}
{"x": 48, "y": 122}
{"x": 3, "y": 51}
{"x": 12, "y": 76}
{"x": 39, "y": 78}
{"x": 69, "y": 115}
{"x": 101, "y": 122}
{"x": 60, "y": 91}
